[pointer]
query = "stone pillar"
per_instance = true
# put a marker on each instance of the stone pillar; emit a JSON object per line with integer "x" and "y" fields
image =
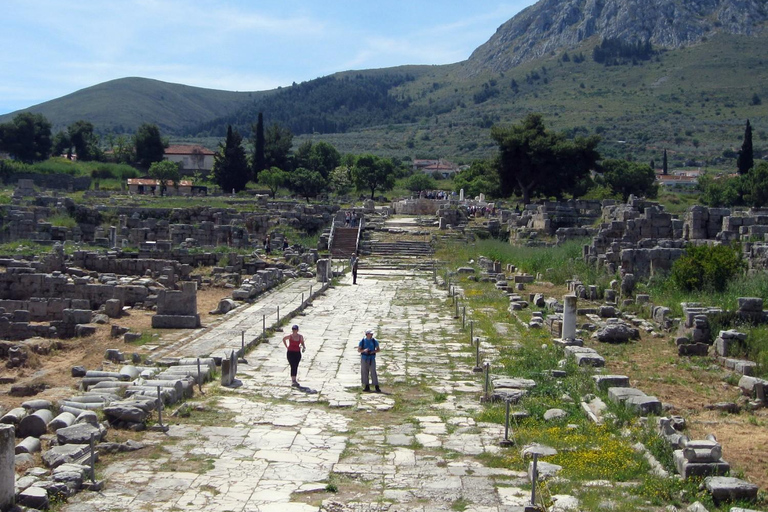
{"x": 324, "y": 270}
{"x": 112, "y": 237}
{"x": 7, "y": 461}
{"x": 569, "y": 317}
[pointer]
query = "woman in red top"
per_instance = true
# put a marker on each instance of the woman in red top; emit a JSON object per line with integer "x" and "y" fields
{"x": 294, "y": 342}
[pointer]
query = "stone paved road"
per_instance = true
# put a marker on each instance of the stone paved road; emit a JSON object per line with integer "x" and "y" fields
{"x": 274, "y": 448}
{"x": 251, "y": 320}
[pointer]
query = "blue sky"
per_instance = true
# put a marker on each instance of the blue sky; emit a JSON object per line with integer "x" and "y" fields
{"x": 50, "y": 48}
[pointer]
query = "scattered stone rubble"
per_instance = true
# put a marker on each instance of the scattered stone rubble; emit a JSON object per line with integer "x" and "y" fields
{"x": 691, "y": 457}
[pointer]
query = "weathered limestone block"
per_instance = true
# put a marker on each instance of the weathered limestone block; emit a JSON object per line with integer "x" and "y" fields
{"x": 64, "y": 454}
{"x": 177, "y": 309}
{"x": 80, "y": 434}
{"x": 730, "y": 489}
{"x": 617, "y": 332}
{"x": 585, "y": 356}
{"x": 608, "y": 381}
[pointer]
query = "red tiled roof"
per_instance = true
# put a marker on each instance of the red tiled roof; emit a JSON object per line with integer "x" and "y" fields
{"x": 182, "y": 149}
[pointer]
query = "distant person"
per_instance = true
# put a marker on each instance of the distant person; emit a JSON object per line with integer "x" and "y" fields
{"x": 285, "y": 244}
{"x": 267, "y": 245}
{"x": 294, "y": 343}
{"x": 353, "y": 262}
{"x": 368, "y": 348}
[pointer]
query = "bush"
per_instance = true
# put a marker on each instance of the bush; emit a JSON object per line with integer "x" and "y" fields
{"x": 102, "y": 173}
{"x": 707, "y": 267}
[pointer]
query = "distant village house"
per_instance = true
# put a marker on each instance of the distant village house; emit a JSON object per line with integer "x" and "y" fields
{"x": 193, "y": 158}
{"x": 444, "y": 168}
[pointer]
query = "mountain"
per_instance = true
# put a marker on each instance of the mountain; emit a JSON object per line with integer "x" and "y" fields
{"x": 556, "y": 25}
{"x": 646, "y": 75}
{"x": 121, "y": 105}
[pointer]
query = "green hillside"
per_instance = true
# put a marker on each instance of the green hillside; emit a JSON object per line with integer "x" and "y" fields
{"x": 121, "y": 105}
{"x": 694, "y": 102}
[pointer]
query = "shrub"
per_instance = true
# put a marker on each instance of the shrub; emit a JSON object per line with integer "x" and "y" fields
{"x": 707, "y": 267}
{"x": 102, "y": 173}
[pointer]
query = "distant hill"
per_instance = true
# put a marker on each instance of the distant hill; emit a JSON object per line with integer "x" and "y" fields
{"x": 646, "y": 75}
{"x": 121, "y": 105}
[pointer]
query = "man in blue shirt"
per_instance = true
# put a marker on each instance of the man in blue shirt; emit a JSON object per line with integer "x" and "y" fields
{"x": 368, "y": 348}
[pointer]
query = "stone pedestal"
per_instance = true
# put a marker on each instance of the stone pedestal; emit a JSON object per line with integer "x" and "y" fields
{"x": 324, "y": 270}
{"x": 177, "y": 309}
{"x": 569, "y": 317}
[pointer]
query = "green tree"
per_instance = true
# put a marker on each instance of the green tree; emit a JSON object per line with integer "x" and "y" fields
{"x": 420, "y": 181}
{"x": 273, "y": 178}
{"x": 627, "y": 178}
{"x": 746, "y": 159}
{"x": 340, "y": 180}
{"x": 277, "y": 147}
{"x": 534, "y": 161}
{"x": 720, "y": 192}
{"x": 482, "y": 177}
{"x": 306, "y": 182}
{"x": 125, "y": 152}
{"x": 756, "y": 186}
{"x": 373, "y": 173}
{"x": 321, "y": 157}
{"x": 664, "y": 164}
{"x": 62, "y": 145}
{"x": 166, "y": 172}
{"x": 258, "y": 159}
{"x": 84, "y": 141}
{"x": 230, "y": 165}
{"x": 149, "y": 145}
{"x": 27, "y": 137}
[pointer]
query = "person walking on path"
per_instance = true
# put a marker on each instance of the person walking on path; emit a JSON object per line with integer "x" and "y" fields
{"x": 368, "y": 348}
{"x": 294, "y": 343}
{"x": 353, "y": 261}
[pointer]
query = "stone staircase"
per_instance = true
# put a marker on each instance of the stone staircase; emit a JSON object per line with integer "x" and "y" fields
{"x": 401, "y": 248}
{"x": 344, "y": 242}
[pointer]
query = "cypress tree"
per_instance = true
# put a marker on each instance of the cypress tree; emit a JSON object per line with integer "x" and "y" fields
{"x": 258, "y": 162}
{"x": 664, "y": 168}
{"x": 230, "y": 165}
{"x": 746, "y": 159}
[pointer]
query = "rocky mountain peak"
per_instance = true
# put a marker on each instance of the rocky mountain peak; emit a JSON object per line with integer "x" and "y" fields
{"x": 558, "y": 25}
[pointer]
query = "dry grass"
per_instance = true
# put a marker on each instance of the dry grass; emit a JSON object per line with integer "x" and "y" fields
{"x": 54, "y": 370}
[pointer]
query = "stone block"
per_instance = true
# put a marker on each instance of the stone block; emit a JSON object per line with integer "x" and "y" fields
{"x": 604, "y": 382}
{"x": 176, "y": 321}
{"x": 750, "y": 304}
{"x": 693, "y": 349}
{"x": 644, "y": 405}
{"x": 77, "y": 316}
{"x": 621, "y": 394}
{"x": 131, "y": 337}
{"x": 113, "y": 308}
{"x": 725, "y": 488}
{"x": 687, "y": 469}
